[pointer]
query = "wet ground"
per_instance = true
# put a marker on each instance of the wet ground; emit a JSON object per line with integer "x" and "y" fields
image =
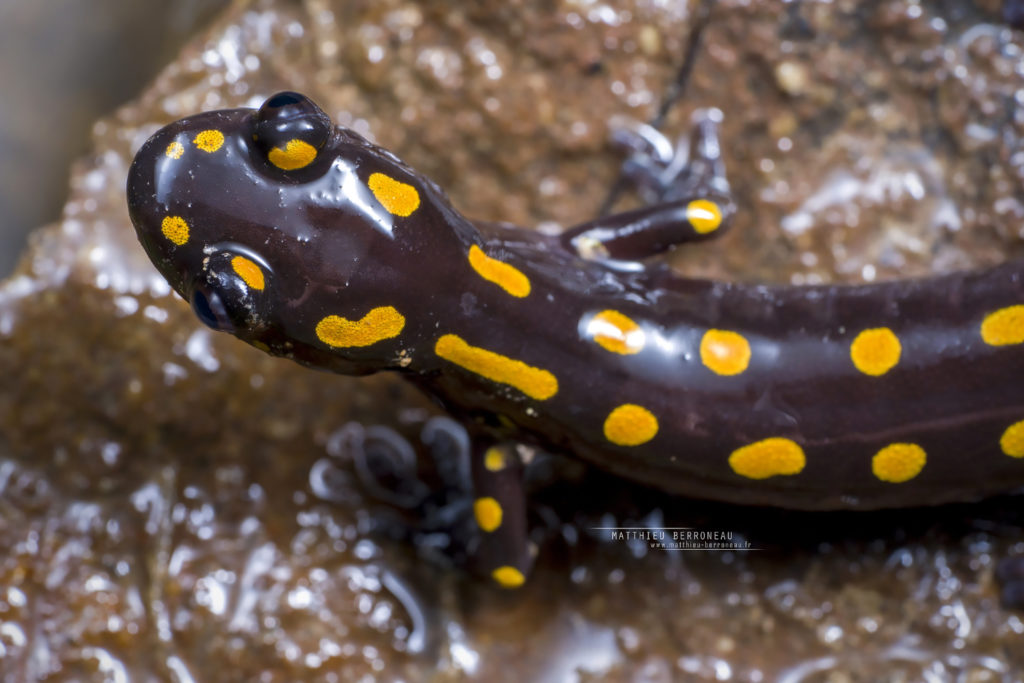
{"x": 176, "y": 506}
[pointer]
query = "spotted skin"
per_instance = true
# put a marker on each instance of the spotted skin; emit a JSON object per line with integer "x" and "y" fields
{"x": 817, "y": 397}
{"x": 499, "y": 510}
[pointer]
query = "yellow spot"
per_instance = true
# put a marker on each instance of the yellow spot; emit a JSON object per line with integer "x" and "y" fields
{"x": 704, "y": 215}
{"x": 175, "y": 150}
{"x": 876, "y": 351}
{"x": 768, "y": 458}
{"x": 534, "y": 382}
{"x": 175, "y": 229}
{"x": 630, "y": 425}
{"x": 296, "y": 154}
{"x": 1004, "y": 327}
{"x": 898, "y": 462}
{"x": 397, "y": 197}
{"x": 261, "y": 346}
{"x": 508, "y": 577}
{"x": 488, "y": 513}
{"x": 494, "y": 460}
{"x": 250, "y": 273}
{"x": 509, "y": 278}
{"x": 383, "y": 322}
{"x": 724, "y": 352}
{"x": 1012, "y": 441}
{"x": 209, "y": 140}
{"x": 616, "y": 332}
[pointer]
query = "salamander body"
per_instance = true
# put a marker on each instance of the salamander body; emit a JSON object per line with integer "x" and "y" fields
{"x": 307, "y": 241}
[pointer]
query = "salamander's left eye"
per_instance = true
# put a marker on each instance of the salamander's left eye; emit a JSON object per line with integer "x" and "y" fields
{"x": 291, "y": 130}
{"x": 210, "y": 310}
{"x": 229, "y": 294}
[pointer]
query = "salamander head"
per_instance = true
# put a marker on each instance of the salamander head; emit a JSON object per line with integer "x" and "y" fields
{"x": 286, "y": 231}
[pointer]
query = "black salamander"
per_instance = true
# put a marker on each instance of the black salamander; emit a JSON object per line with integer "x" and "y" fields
{"x": 308, "y": 242}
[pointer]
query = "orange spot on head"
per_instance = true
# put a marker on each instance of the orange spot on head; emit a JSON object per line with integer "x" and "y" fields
{"x": 768, "y": 458}
{"x": 630, "y": 425}
{"x": 296, "y": 154}
{"x": 616, "y": 332}
{"x": 1012, "y": 441}
{"x": 175, "y": 229}
{"x": 508, "y": 277}
{"x": 724, "y": 352}
{"x": 399, "y": 198}
{"x": 175, "y": 150}
{"x": 705, "y": 216}
{"x": 208, "y": 140}
{"x": 383, "y": 322}
{"x": 1004, "y": 327}
{"x": 250, "y": 273}
{"x": 508, "y": 577}
{"x": 488, "y": 513}
{"x": 534, "y": 382}
{"x": 876, "y": 351}
{"x": 898, "y": 462}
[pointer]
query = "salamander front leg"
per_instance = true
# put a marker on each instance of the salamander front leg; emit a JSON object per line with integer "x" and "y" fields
{"x": 499, "y": 507}
{"x": 685, "y": 186}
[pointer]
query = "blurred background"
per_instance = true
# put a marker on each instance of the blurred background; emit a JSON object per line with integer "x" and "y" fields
{"x": 63, "y": 64}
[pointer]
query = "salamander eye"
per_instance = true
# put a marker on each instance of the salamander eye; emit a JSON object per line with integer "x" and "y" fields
{"x": 210, "y": 310}
{"x": 291, "y": 130}
{"x": 229, "y": 294}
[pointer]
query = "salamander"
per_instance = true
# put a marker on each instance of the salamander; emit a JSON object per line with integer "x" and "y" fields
{"x": 307, "y": 241}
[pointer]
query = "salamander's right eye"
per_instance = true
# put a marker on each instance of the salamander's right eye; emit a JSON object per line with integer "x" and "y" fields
{"x": 291, "y": 130}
